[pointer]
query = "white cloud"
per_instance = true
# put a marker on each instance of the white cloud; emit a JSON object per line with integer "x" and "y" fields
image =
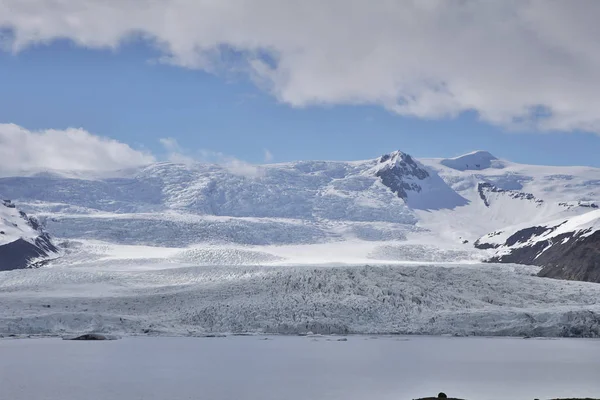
{"x": 268, "y": 156}
{"x": 506, "y": 60}
{"x": 235, "y": 166}
{"x": 175, "y": 153}
{"x": 241, "y": 168}
{"x": 78, "y": 151}
{"x": 22, "y": 150}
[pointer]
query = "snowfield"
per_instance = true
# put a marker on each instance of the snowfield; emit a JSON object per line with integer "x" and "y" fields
{"x": 375, "y": 246}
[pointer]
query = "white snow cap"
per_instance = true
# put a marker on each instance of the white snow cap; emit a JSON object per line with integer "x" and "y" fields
{"x": 476, "y": 160}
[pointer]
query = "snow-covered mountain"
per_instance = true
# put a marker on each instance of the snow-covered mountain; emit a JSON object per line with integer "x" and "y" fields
{"x": 566, "y": 248}
{"x": 502, "y": 194}
{"x": 23, "y": 243}
{"x": 393, "y": 208}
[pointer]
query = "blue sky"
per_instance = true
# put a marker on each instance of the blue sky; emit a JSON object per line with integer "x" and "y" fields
{"x": 127, "y": 94}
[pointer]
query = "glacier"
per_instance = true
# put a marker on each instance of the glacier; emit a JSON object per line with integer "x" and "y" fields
{"x": 377, "y": 246}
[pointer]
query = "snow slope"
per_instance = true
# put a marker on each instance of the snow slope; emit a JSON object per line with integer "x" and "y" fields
{"x": 13, "y": 225}
{"x": 506, "y": 194}
{"x": 580, "y": 226}
{"x": 476, "y": 160}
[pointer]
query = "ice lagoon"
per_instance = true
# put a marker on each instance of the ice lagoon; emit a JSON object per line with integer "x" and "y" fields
{"x": 298, "y": 368}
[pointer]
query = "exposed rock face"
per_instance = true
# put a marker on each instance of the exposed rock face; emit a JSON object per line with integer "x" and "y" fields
{"x": 584, "y": 204}
{"x": 23, "y": 242}
{"x": 398, "y": 171}
{"x": 22, "y": 254}
{"x": 565, "y": 249}
{"x": 484, "y": 189}
{"x": 566, "y": 256}
{"x": 577, "y": 261}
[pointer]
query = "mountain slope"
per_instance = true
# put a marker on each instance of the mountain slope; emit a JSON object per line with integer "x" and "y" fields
{"x": 22, "y": 241}
{"x": 505, "y": 194}
{"x": 567, "y": 249}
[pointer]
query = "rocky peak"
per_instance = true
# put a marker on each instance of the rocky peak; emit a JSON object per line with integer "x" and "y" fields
{"x": 400, "y": 172}
{"x": 402, "y": 163}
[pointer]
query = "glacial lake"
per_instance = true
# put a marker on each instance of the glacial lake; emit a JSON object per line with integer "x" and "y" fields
{"x": 298, "y": 368}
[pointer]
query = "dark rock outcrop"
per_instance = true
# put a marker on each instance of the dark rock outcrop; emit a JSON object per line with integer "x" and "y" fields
{"x": 90, "y": 336}
{"x": 485, "y": 188}
{"x": 583, "y": 204}
{"x": 22, "y": 254}
{"x": 571, "y": 255}
{"x": 25, "y": 253}
{"x": 397, "y": 169}
{"x": 527, "y": 234}
{"x": 574, "y": 260}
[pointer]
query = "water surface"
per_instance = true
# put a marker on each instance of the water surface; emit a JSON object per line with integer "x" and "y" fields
{"x": 298, "y": 368}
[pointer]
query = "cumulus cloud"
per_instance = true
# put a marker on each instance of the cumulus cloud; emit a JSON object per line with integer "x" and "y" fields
{"x": 517, "y": 63}
{"x": 76, "y": 151}
{"x": 22, "y": 150}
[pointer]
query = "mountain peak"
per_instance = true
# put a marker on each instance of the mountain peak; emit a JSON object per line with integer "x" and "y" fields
{"x": 400, "y": 173}
{"x": 475, "y": 160}
{"x": 402, "y": 163}
{"x": 397, "y": 157}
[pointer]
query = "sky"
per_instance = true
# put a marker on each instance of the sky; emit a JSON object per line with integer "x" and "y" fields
{"x": 105, "y": 84}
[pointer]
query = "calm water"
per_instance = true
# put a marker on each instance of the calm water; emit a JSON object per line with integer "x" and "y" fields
{"x": 297, "y": 368}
